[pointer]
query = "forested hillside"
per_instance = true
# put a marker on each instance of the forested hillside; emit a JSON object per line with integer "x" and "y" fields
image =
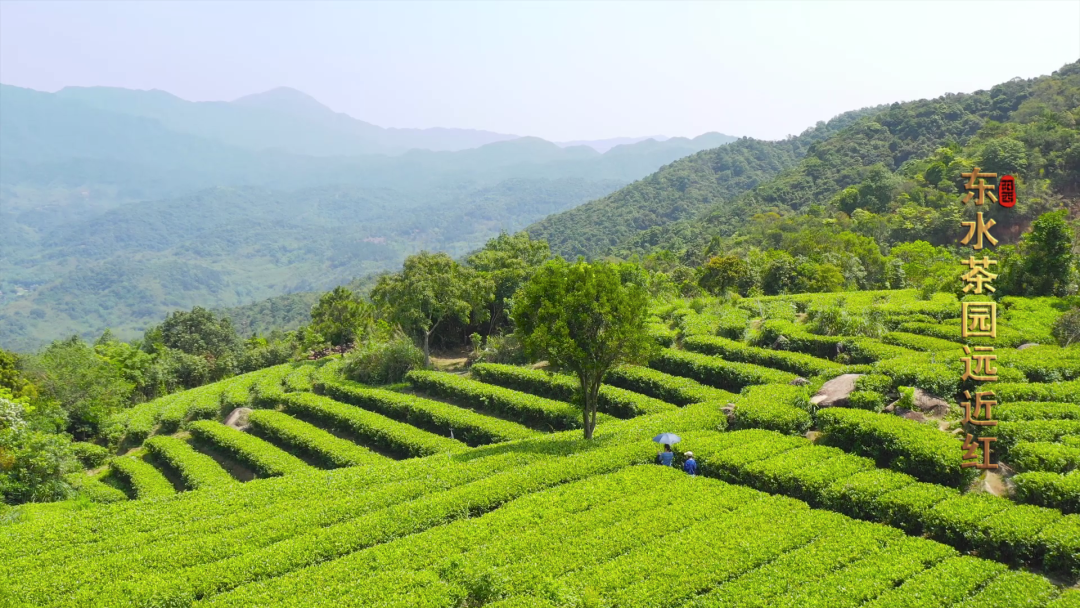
{"x": 897, "y": 164}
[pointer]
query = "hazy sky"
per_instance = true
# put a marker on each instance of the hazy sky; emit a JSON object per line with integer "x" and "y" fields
{"x": 556, "y": 70}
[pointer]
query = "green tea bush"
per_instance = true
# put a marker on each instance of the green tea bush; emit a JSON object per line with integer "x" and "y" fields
{"x": 1063, "y": 392}
{"x": 903, "y": 445}
{"x": 268, "y": 388}
{"x": 949, "y": 329}
{"x": 796, "y": 363}
{"x": 97, "y": 491}
{"x": 90, "y": 455}
{"x": 823, "y": 476}
{"x": 857, "y": 349}
{"x": 941, "y": 379}
{"x": 144, "y": 479}
{"x": 433, "y": 416}
{"x": 330, "y": 451}
{"x": 867, "y": 400}
{"x": 1062, "y": 542}
{"x": 197, "y": 470}
{"x": 522, "y": 407}
{"x": 716, "y": 372}
{"x": 263, "y": 459}
{"x": 1037, "y": 410}
{"x": 922, "y": 343}
{"x": 665, "y": 387}
{"x": 1044, "y": 456}
{"x": 879, "y": 383}
{"x": 1053, "y": 490}
{"x": 1043, "y": 363}
{"x": 663, "y": 335}
{"x": 373, "y": 430}
{"x": 782, "y": 408}
{"x": 614, "y": 401}
{"x": 1011, "y": 433}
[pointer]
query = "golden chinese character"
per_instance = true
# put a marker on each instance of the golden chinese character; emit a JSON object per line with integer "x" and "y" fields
{"x": 979, "y": 276}
{"x": 978, "y": 227}
{"x": 979, "y": 319}
{"x": 977, "y": 367}
{"x": 980, "y": 401}
{"x": 970, "y": 454}
{"x": 981, "y": 186}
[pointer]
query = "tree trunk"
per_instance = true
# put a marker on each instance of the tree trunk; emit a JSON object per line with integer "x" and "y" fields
{"x": 590, "y": 389}
{"x": 427, "y": 349}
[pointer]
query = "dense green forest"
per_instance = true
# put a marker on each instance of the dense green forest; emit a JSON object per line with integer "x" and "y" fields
{"x": 895, "y": 165}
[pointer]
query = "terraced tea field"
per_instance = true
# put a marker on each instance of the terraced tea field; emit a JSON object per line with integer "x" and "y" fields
{"x": 477, "y": 490}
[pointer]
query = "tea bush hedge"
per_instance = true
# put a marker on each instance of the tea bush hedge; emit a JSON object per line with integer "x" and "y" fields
{"x": 145, "y": 480}
{"x": 372, "y": 430}
{"x": 434, "y": 416}
{"x": 716, "y": 372}
{"x": 263, "y": 459}
{"x": 919, "y": 450}
{"x": 666, "y": 387}
{"x": 311, "y": 441}
{"x": 196, "y": 469}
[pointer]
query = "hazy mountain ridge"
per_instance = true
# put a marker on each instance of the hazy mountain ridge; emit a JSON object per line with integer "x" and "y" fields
{"x": 119, "y": 205}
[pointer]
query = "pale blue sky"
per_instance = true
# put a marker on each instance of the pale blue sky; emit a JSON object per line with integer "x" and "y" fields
{"x": 556, "y": 70}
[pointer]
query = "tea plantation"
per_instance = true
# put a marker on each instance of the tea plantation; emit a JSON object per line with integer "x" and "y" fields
{"x": 476, "y": 489}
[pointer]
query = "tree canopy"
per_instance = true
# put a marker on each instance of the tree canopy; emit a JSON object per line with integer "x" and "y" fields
{"x": 583, "y": 318}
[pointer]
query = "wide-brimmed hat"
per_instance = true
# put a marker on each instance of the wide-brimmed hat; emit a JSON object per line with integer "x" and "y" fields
{"x": 689, "y": 454}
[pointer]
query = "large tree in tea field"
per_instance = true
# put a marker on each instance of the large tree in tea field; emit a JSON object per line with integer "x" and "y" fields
{"x": 585, "y": 319}
{"x": 431, "y": 288}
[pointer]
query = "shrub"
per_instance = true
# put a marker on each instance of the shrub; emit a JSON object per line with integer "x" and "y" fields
{"x": 1037, "y": 410}
{"x": 262, "y": 458}
{"x": 1067, "y": 392}
{"x": 196, "y": 469}
{"x": 949, "y": 329}
{"x": 145, "y": 480}
{"x": 522, "y": 407}
{"x": 90, "y": 455}
{"x": 796, "y": 363}
{"x": 434, "y": 416}
{"x": 373, "y": 430}
{"x": 921, "y": 343}
{"x": 781, "y": 408}
{"x": 879, "y": 383}
{"x": 1043, "y": 363}
{"x": 97, "y": 491}
{"x": 1053, "y": 490}
{"x": 312, "y": 441}
{"x": 665, "y": 387}
{"x": 1062, "y": 542}
{"x": 663, "y": 335}
{"x": 716, "y": 372}
{"x": 867, "y": 400}
{"x": 612, "y": 400}
{"x": 1044, "y": 456}
{"x": 916, "y": 449}
{"x": 1013, "y": 432}
{"x": 384, "y": 362}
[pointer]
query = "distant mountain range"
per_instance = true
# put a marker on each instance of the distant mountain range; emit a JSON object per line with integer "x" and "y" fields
{"x": 117, "y": 206}
{"x": 603, "y": 145}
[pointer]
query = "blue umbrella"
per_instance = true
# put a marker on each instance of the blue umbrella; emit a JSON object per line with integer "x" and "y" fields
{"x": 667, "y": 438}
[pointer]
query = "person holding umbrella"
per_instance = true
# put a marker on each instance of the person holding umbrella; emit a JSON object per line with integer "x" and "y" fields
{"x": 667, "y": 457}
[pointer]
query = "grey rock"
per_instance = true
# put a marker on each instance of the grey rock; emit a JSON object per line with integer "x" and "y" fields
{"x": 238, "y": 418}
{"x": 835, "y": 392}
